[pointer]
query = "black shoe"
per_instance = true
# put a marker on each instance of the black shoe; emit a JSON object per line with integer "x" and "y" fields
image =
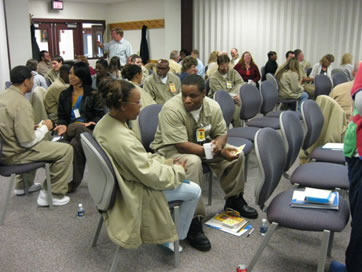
{"x": 197, "y": 237}
{"x": 239, "y": 204}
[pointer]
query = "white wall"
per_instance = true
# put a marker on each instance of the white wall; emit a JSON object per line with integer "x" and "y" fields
{"x": 4, "y": 63}
{"x": 18, "y": 24}
{"x": 317, "y": 27}
{"x": 172, "y": 26}
{"x": 137, "y": 11}
{"x": 72, "y": 10}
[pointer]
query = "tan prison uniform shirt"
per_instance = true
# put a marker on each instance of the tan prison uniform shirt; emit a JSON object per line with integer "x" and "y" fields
{"x": 159, "y": 91}
{"x": 44, "y": 68}
{"x": 176, "y": 125}
{"x": 16, "y": 122}
{"x": 289, "y": 86}
{"x": 146, "y": 100}
{"x": 342, "y": 95}
{"x": 231, "y": 83}
{"x": 174, "y": 66}
{"x": 52, "y": 75}
{"x": 52, "y": 98}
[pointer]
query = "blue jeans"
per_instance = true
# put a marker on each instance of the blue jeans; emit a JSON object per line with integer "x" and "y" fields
{"x": 190, "y": 194}
{"x": 302, "y": 98}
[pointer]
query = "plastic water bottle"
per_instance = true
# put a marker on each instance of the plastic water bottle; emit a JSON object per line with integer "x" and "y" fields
{"x": 263, "y": 227}
{"x": 242, "y": 268}
{"x": 80, "y": 212}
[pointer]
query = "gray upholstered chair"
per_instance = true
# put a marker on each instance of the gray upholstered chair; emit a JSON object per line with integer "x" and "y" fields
{"x": 103, "y": 188}
{"x": 316, "y": 174}
{"x": 323, "y": 85}
{"x": 249, "y": 95}
{"x": 251, "y": 101}
{"x": 148, "y": 124}
{"x": 338, "y": 78}
{"x": 293, "y": 135}
{"x": 273, "y": 80}
{"x": 270, "y": 100}
{"x": 313, "y": 123}
{"x": 227, "y": 107}
{"x": 18, "y": 169}
{"x": 271, "y": 157}
{"x": 345, "y": 70}
{"x": 262, "y": 70}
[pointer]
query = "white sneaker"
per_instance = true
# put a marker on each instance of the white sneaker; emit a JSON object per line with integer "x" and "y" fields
{"x": 170, "y": 246}
{"x": 43, "y": 200}
{"x": 33, "y": 188}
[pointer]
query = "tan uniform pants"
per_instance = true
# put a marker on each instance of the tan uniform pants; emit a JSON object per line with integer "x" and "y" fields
{"x": 59, "y": 154}
{"x": 230, "y": 174}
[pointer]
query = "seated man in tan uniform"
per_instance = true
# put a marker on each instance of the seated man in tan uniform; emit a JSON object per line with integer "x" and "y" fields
{"x": 175, "y": 67}
{"x": 162, "y": 85}
{"x": 22, "y": 140}
{"x": 342, "y": 93}
{"x": 187, "y": 121}
{"x": 136, "y": 59}
{"x": 228, "y": 80}
{"x": 54, "y": 91}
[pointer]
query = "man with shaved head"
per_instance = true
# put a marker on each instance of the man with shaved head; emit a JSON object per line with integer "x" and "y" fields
{"x": 163, "y": 84}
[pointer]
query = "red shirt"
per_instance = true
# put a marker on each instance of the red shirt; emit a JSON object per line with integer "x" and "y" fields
{"x": 252, "y": 73}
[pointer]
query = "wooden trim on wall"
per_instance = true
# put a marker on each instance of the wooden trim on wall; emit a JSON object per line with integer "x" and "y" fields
{"x": 186, "y": 24}
{"x": 135, "y": 25}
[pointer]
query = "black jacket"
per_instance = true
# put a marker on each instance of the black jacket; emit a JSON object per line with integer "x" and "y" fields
{"x": 91, "y": 108}
{"x": 270, "y": 67}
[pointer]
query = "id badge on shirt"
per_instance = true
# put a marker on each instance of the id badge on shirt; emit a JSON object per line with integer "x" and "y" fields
{"x": 172, "y": 87}
{"x": 200, "y": 135}
{"x": 76, "y": 113}
{"x": 229, "y": 85}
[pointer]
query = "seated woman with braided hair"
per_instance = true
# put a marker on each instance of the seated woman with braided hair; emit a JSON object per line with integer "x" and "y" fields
{"x": 147, "y": 181}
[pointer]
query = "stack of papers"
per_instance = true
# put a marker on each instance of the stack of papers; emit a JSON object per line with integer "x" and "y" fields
{"x": 230, "y": 224}
{"x": 315, "y": 199}
{"x": 333, "y": 146}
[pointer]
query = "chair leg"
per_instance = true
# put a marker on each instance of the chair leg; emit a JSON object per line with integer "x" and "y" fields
{"x": 246, "y": 168}
{"x": 330, "y": 244}
{"x": 7, "y": 199}
{"x": 98, "y": 230}
{"x": 49, "y": 185}
{"x": 210, "y": 189}
{"x": 115, "y": 260}
{"x": 323, "y": 252}
{"x": 266, "y": 239}
{"x": 176, "y": 244}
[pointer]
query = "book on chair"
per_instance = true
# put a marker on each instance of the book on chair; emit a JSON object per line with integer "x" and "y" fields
{"x": 315, "y": 199}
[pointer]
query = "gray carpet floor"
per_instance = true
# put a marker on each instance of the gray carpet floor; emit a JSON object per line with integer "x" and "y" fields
{"x": 39, "y": 239}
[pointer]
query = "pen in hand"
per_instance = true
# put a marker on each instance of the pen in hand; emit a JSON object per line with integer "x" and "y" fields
{"x": 250, "y": 232}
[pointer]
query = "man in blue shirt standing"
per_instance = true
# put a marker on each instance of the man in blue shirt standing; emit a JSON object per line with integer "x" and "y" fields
{"x": 200, "y": 66}
{"x": 119, "y": 46}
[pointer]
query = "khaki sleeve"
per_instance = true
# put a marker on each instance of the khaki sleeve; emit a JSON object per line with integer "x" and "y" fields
{"x": 215, "y": 85}
{"x": 147, "y": 86}
{"x": 178, "y": 84}
{"x": 294, "y": 83}
{"x": 134, "y": 164}
{"x": 24, "y": 123}
{"x": 173, "y": 130}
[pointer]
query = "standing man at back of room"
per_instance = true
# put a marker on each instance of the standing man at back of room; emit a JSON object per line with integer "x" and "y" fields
{"x": 119, "y": 46}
